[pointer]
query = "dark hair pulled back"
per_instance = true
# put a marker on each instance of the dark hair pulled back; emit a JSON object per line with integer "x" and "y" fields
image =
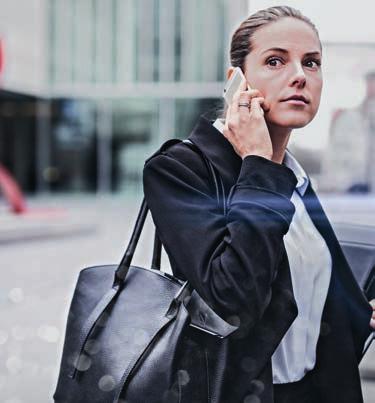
{"x": 241, "y": 43}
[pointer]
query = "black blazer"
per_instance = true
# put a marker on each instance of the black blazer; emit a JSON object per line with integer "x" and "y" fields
{"x": 238, "y": 264}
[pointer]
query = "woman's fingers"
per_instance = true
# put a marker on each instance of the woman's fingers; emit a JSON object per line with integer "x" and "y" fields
{"x": 246, "y": 129}
{"x": 372, "y": 321}
{"x": 372, "y": 303}
{"x": 265, "y": 105}
{"x": 256, "y": 108}
{"x": 240, "y": 93}
{"x": 233, "y": 106}
{"x": 243, "y": 111}
{"x": 243, "y": 95}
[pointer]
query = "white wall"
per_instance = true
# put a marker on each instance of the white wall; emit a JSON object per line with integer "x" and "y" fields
{"x": 23, "y": 26}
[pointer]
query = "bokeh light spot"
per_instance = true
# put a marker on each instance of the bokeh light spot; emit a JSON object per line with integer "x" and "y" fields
{"x": 14, "y": 364}
{"x": 183, "y": 377}
{"x": 3, "y": 337}
{"x": 107, "y": 383}
{"x": 16, "y": 295}
{"x": 49, "y": 333}
{"x": 83, "y": 363}
{"x": 92, "y": 346}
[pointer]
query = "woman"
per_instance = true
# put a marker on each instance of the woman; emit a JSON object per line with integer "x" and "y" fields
{"x": 271, "y": 264}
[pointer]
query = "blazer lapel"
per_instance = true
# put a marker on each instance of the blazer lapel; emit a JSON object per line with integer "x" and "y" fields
{"x": 345, "y": 320}
{"x": 346, "y": 290}
{"x": 341, "y": 265}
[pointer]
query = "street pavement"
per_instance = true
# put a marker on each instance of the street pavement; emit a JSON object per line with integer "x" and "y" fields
{"x": 41, "y": 255}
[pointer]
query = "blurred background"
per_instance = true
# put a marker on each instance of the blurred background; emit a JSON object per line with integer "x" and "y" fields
{"x": 88, "y": 90}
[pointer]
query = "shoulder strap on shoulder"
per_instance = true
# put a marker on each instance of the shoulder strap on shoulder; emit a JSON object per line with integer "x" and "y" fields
{"x": 220, "y": 194}
{"x": 163, "y": 147}
{"x": 156, "y": 256}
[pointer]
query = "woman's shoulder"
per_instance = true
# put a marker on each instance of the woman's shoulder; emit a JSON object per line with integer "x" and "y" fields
{"x": 181, "y": 155}
{"x": 177, "y": 172}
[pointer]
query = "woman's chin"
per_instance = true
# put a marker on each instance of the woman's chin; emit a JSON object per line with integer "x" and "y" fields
{"x": 291, "y": 122}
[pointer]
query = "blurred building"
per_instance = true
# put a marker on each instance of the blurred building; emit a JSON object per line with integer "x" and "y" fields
{"x": 109, "y": 81}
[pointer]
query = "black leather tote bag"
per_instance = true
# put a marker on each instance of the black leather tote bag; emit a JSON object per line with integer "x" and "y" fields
{"x": 133, "y": 334}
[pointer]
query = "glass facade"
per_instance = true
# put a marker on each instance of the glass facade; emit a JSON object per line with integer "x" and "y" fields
{"x": 135, "y": 133}
{"x": 73, "y": 146}
{"x": 122, "y": 41}
{"x": 126, "y": 75}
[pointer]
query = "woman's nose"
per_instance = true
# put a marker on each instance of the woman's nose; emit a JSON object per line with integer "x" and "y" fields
{"x": 298, "y": 76}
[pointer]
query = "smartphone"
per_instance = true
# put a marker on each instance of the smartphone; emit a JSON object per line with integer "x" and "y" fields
{"x": 231, "y": 86}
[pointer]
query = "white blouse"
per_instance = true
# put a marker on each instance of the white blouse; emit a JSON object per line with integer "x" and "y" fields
{"x": 310, "y": 265}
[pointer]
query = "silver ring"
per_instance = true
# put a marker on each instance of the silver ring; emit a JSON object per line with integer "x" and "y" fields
{"x": 246, "y": 104}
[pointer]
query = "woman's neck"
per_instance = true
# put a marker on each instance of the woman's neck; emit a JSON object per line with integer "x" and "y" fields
{"x": 280, "y": 138}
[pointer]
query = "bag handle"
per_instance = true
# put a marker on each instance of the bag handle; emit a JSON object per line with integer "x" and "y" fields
{"x": 156, "y": 255}
{"x": 126, "y": 260}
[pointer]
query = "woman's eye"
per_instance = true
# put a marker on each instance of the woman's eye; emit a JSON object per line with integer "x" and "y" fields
{"x": 273, "y": 60}
{"x": 317, "y": 62}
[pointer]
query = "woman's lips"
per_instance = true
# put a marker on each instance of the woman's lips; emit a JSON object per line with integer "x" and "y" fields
{"x": 295, "y": 102}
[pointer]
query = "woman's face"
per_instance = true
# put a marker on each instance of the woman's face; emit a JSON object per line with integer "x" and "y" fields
{"x": 280, "y": 74}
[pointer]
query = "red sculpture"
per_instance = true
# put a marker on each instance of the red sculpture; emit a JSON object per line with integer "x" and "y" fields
{"x": 12, "y": 191}
{"x": 8, "y": 185}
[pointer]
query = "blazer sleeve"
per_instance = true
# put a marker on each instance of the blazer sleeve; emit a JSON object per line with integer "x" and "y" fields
{"x": 230, "y": 260}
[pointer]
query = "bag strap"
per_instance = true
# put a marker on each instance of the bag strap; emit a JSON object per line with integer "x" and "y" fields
{"x": 220, "y": 192}
{"x": 125, "y": 263}
{"x": 220, "y": 196}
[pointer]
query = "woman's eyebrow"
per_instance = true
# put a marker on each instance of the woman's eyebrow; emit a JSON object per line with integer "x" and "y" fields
{"x": 316, "y": 53}
{"x": 285, "y": 51}
{"x": 276, "y": 49}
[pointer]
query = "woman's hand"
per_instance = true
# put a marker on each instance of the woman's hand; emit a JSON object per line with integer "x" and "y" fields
{"x": 247, "y": 130}
{"x": 372, "y": 321}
